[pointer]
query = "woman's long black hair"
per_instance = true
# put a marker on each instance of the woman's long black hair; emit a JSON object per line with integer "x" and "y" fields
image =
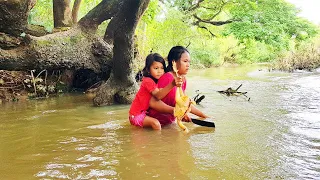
{"x": 174, "y": 55}
{"x": 153, "y": 57}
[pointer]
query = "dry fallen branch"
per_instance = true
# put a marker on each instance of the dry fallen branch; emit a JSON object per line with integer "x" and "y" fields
{"x": 234, "y": 92}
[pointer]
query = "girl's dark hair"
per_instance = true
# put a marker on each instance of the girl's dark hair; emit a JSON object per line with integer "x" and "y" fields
{"x": 153, "y": 57}
{"x": 175, "y": 55}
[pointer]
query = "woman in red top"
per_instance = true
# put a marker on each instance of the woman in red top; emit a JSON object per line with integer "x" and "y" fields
{"x": 163, "y": 110}
{"x": 153, "y": 70}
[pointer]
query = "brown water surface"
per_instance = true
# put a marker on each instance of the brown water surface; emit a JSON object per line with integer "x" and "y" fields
{"x": 275, "y": 135}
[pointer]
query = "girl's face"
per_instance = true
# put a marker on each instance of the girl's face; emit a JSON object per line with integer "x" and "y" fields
{"x": 156, "y": 70}
{"x": 184, "y": 63}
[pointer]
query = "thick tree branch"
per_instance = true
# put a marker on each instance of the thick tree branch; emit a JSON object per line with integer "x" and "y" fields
{"x": 203, "y": 27}
{"x": 219, "y": 11}
{"x": 215, "y": 23}
{"x": 105, "y": 10}
{"x": 68, "y": 50}
{"x": 197, "y": 5}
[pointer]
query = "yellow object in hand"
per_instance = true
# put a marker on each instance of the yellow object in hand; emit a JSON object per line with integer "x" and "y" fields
{"x": 183, "y": 103}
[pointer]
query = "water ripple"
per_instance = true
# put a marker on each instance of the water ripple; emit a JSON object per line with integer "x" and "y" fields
{"x": 108, "y": 125}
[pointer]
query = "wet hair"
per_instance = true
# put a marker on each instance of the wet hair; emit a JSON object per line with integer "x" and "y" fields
{"x": 175, "y": 55}
{"x": 153, "y": 57}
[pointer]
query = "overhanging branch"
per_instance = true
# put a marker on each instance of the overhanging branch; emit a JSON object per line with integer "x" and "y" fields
{"x": 203, "y": 27}
{"x": 215, "y": 23}
{"x": 197, "y": 5}
{"x": 219, "y": 11}
{"x": 105, "y": 10}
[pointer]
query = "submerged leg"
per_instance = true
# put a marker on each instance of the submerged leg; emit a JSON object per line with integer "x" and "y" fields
{"x": 151, "y": 122}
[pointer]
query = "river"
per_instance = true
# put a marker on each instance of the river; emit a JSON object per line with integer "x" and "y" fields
{"x": 274, "y": 135}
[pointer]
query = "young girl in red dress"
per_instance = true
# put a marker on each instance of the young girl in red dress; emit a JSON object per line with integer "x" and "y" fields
{"x": 154, "y": 68}
{"x": 163, "y": 110}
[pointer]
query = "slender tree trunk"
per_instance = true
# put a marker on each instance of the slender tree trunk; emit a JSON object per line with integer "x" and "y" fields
{"x": 61, "y": 13}
{"x": 75, "y": 11}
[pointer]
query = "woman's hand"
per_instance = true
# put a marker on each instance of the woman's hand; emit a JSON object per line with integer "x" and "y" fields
{"x": 178, "y": 81}
{"x": 186, "y": 118}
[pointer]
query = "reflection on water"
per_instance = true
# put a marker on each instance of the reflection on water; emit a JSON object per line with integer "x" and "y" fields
{"x": 275, "y": 135}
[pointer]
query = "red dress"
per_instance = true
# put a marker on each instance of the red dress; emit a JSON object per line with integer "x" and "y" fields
{"x": 165, "y": 118}
{"x": 141, "y": 101}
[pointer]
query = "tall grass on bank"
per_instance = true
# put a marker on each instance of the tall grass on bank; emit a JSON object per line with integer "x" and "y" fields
{"x": 305, "y": 57}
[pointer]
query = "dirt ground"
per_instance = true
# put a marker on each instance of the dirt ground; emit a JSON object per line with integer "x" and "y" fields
{"x": 12, "y": 87}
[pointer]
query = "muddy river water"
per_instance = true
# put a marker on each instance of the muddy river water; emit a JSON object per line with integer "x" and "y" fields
{"x": 274, "y": 135}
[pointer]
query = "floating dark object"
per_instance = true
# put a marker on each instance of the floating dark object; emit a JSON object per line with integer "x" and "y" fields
{"x": 198, "y": 98}
{"x": 234, "y": 92}
{"x": 203, "y": 123}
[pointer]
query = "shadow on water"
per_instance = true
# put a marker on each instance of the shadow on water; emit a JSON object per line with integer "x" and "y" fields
{"x": 275, "y": 135}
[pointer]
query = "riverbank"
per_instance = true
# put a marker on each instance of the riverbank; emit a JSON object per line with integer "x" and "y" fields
{"x": 23, "y": 85}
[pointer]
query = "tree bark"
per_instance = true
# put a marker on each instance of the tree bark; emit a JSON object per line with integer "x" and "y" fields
{"x": 75, "y": 11}
{"x": 122, "y": 34}
{"x": 13, "y": 16}
{"x": 103, "y": 11}
{"x": 65, "y": 50}
{"x": 62, "y": 13}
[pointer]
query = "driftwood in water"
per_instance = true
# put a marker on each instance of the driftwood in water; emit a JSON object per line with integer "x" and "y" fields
{"x": 198, "y": 98}
{"x": 233, "y": 92}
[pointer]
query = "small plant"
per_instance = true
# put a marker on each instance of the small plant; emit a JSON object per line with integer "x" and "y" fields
{"x": 38, "y": 86}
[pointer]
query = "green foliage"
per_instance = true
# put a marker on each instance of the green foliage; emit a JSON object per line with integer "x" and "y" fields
{"x": 228, "y": 48}
{"x": 163, "y": 33}
{"x": 261, "y": 31}
{"x": 42, "y": 14}
{"x": 217, "y": 51}
{"x": 270, "y": 22}
{"x": 150, "y": 13}
{"x": 255, "y": 51}
{"x": 203, "y": 52}
{"x": 86, "y": 6}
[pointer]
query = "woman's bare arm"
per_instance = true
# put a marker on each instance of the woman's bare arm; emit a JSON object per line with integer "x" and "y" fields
{"x": 160, "y": 106}
{"x": 197, "y": 112}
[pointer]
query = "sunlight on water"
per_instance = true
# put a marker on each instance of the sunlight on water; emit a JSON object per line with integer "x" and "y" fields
{"x": 274, "y": 135}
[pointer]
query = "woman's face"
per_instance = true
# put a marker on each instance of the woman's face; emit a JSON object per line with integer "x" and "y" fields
{"x": 183, "y": 64}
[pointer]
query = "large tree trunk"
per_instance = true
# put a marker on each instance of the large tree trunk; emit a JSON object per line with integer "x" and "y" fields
{"x": 122, "y": 33}
{"x": 13, "y": 16}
